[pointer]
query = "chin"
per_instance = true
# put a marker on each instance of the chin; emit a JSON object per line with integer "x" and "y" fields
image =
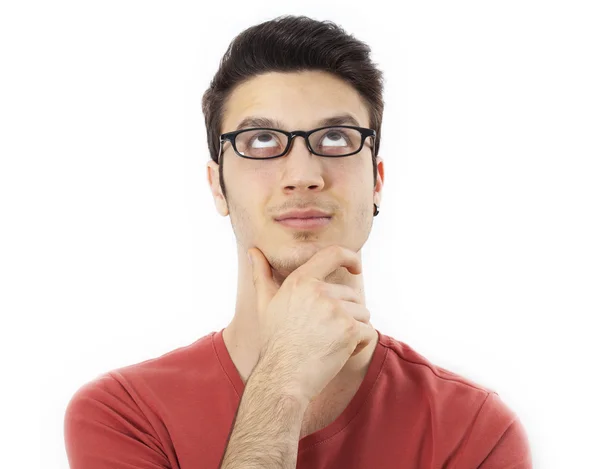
{"x": 288, "y": 258}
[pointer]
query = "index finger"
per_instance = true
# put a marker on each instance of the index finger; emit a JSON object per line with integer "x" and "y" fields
{"x": 327, "y": 260}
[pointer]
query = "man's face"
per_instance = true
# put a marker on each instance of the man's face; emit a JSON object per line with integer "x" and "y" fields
{"x": 260, "y": 190}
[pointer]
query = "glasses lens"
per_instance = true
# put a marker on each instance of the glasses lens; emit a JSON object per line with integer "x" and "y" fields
{"x": 335, "y": 141}
{"x": 260, "y": 143}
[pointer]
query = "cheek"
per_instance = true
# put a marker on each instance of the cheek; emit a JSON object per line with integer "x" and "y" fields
{"x": 257, "y": 190}
{"x": 353, "y": 175}
{"x": 258, "y": 185}
{"x": 353, "y": 166}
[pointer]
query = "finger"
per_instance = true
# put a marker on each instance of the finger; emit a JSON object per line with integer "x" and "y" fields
{"x": 262, "y": 276}
{"x": 327, "y": 260}
{"x": 356, "y": 311}
{"x": 340, "y": 292}
{"x": 367, "y": 334}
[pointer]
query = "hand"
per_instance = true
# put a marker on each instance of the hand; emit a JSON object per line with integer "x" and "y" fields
{"x": 310, "y": 328}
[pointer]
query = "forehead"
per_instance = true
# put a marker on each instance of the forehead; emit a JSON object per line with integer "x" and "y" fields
{"x": 299, "y": 100}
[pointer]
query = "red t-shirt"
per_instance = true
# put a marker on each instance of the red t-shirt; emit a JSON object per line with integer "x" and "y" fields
{"x": 176, "y": 411}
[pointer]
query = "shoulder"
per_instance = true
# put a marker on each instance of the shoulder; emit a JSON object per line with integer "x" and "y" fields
{"x": 487, "y": 433}
{"x": 119, "y": 414}
{"x": 496, "y": 438}
{"x": 418, "y": 370}
{"x": 130, "y": 383}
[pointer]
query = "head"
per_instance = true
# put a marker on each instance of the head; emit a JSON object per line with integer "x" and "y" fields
{"x": 296, "y": 71}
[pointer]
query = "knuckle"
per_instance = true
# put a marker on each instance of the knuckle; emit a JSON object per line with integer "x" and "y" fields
{"x": 331, "y": 304}
{"x": 310, "y": 286}
{"x": 340, "y": 251}
{"x": 335, "y": 250}
{"x": 295, "y": 281}
{"x": 353, "y": 294}
{"x": 319, "y": 288}
{"x": 351, "y": 327}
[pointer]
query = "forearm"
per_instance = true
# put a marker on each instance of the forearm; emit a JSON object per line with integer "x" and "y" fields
{"x": 266, "y": 430}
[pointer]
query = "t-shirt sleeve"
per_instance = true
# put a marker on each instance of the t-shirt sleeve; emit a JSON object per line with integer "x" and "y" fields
{"x": 512, "y": 450}
{"x": 497, "y": 439}
{"x": 104, "y": 428}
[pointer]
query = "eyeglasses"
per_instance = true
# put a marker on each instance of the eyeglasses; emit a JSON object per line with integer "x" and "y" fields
{"x": 264, "y": 143}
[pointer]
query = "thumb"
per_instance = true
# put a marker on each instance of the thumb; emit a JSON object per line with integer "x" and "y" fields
{"x": 262, "y": 276}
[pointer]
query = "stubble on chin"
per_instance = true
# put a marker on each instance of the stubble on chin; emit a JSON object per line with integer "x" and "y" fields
{"x": 282, "y": 267}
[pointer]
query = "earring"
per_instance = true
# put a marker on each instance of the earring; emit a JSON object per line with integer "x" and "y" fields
{"x": 376, "y": 210}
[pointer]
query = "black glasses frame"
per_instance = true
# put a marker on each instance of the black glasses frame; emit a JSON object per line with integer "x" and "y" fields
{"x": 230, "y": 136}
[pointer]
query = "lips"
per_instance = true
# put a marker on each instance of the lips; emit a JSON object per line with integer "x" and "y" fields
{"x": 303, "y": 214}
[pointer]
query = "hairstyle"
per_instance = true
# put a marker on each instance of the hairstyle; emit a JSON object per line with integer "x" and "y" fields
{"x": 292, "y": 44}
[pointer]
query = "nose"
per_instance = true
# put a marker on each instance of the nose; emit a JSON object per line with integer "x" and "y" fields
{"x": 299, "y": 141}
{"x": 302, "y": 169}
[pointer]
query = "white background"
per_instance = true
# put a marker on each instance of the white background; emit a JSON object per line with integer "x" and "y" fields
{"x": 485, "y": 257}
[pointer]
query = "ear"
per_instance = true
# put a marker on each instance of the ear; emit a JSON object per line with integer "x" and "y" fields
{"x": 377, "y": 190}
{"x": 212, "y": 173}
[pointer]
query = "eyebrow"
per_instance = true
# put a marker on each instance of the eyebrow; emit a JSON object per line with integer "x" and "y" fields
{"x": 259, "y": 121}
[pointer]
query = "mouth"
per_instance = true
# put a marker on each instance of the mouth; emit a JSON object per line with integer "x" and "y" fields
{"x": 305, "y": 223}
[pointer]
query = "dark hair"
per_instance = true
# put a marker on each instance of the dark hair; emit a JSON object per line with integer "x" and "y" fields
{"x": 292, "y": 44}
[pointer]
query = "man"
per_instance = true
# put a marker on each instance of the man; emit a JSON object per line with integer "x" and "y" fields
{"x": 299, "y": 378}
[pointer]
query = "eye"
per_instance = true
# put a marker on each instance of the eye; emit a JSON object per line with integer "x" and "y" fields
{"x": 335, "y": 138}
{"x": 264, "y": 140}
{"x": 336, "y": 141}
